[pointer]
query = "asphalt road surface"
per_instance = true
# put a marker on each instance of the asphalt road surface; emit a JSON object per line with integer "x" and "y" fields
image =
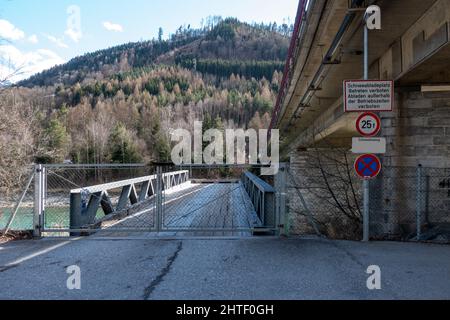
{"x": 250, "y": 268}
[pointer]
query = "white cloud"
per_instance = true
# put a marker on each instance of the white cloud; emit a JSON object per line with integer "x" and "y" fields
{"x": 73, "y": 34}
{"x": 25, "y": 64}
{"x": 73, "y": 30}
{"x": 9, "y": 31}
{"x": 112, "y": 26}
{"x": 59, "y": 42}
{"x": 33, "y": 39}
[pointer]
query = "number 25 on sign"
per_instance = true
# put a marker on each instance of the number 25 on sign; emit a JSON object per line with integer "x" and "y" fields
{"x": 368, "y": 124}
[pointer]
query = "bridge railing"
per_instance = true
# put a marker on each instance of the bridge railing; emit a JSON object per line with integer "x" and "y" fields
{"x": 85, "y": 202}
{"x": 262, "y": 196}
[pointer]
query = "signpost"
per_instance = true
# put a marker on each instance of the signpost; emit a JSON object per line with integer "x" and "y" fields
{"x": 368, "y": 96}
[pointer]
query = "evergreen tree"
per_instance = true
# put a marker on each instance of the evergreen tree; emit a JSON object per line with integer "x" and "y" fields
{"x": 160, "y": 34}
{"x": 122, "y": 147}
{"x": 56, "y": 143}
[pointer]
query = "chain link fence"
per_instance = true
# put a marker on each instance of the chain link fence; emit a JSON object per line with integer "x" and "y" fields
{"x": 406, "y": 203}
{"x": 17, "y": 202}
{"x": 324, "y": 197}
{"x": 62, "y": 200}
{"x": 98, "y": 186}
{"x": 215, "y": 202}
{"x": 411, "y": 203}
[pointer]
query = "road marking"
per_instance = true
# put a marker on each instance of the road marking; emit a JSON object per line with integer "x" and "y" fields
{"x": 39, "y": 253}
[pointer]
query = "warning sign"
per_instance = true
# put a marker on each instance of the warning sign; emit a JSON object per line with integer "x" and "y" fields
{"x": 368, "y": 95}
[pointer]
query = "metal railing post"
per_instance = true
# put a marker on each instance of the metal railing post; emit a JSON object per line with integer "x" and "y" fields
{"x": 38, "y": 218}
{"x": 419, "y": 203}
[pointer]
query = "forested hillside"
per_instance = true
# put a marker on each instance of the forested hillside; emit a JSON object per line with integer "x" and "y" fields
{"x": 220, "y": 42}
{"x": 119, "y": 105}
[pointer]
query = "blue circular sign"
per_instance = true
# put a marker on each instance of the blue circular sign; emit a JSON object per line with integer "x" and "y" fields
{"x": 368, "y": 166}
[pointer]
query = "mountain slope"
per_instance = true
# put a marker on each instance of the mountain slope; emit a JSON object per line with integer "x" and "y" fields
{"x": 121, "y": 104}
{"x": 230, "y": 40}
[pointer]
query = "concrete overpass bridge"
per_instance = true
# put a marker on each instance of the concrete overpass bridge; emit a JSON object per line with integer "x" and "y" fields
{"x": 413, "y": 49}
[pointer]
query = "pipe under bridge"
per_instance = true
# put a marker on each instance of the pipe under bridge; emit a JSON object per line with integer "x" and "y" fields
{"x": 176, "y": 203}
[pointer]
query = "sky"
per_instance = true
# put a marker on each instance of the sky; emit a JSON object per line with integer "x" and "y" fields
{"x": 38, "y": 34}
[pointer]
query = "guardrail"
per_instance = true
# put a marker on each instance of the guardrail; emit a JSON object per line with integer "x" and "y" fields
{"x": 85, "y": 202}
{"x": 289, "y": 66}
{"x": 262, "y": 196}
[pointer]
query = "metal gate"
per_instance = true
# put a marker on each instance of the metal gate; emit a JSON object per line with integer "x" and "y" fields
{"x": 214, "y": 202}
{"x": 118, "y": 199}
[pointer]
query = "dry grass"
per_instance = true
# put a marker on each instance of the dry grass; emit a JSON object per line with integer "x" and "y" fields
{"x": 13, "y": 235}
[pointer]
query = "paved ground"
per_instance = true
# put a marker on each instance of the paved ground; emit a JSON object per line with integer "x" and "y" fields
{"x": 263, "y": 268}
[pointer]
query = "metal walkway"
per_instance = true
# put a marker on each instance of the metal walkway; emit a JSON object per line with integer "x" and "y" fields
{"x": 220, "y": 209}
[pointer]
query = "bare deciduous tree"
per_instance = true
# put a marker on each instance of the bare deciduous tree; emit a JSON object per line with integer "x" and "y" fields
{"x": 330, "y": 187}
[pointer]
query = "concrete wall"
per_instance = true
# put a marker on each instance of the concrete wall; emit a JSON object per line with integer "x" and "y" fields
{"x": 418, "y": 133}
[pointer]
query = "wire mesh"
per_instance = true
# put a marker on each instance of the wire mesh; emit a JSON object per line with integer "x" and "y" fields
{"x": 9, "y": 203}
{"x": 120, "y": 199}
{"x": 214, "y": 199}
{"x": 411, "y": 203}
{"x": 64, "y": 181}
{"x": 406, "y": 203}
{"x": 324, "y": 196}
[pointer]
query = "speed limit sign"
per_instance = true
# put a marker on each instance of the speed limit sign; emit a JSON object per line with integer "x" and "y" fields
{"x": 368, "y": 124}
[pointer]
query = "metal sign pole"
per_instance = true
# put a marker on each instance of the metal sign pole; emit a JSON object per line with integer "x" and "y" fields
{"x": 366, "y": 182}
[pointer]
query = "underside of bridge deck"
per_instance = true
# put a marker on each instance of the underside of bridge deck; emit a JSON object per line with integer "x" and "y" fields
{"x": 411, "y": 48}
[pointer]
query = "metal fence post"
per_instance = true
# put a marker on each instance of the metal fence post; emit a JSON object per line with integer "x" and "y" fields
{"x": 281, "y": 218}
{"x": 419, "y": 202}
{"x": 159, "y": 187}
{"x": 39, "y": 190}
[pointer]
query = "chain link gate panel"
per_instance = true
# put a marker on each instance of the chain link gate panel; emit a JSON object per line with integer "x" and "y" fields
{"x": 119, "y": 199}
{"x": 214, "y": 202}
{"x": 82, "y": 199}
